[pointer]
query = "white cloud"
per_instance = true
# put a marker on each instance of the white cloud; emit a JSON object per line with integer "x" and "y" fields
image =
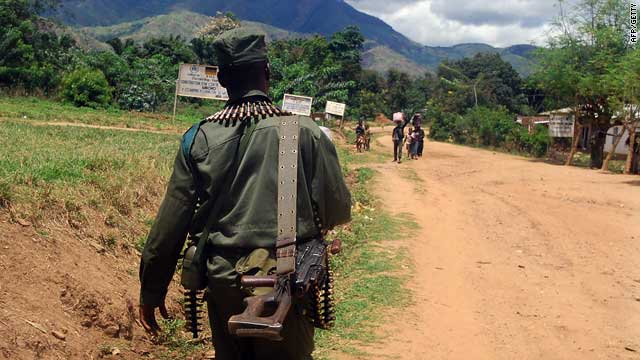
{"x": 449, "y": 22}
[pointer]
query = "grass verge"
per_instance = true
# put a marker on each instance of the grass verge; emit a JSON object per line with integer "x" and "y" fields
{"x": 370, "y": 276}
{"x": 85, "y": 178}
{"x": 34, "y": 109}
{"x": 106, "y": 185}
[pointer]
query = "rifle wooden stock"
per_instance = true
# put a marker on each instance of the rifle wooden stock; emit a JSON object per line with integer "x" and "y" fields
{"x": 253, "y": 323}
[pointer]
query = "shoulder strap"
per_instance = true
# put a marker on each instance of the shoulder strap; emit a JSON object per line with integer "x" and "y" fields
{"x": 188, "y": 139}
{"x": 289, "y": 131}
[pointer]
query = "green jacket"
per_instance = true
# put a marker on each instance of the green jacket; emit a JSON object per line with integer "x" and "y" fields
{"x": 247, "y": 218}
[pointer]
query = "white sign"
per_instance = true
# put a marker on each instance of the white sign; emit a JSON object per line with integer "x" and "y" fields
{"x": 335, "y": 108}
{"x": 200, "y": 81}
{"x": 299, "y": 105}
{"x": 561, "y": 126}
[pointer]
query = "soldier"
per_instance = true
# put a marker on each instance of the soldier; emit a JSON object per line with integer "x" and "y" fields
{"x": 226, "y": 193}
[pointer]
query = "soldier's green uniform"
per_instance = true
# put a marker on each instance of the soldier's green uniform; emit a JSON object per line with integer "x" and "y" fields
{"x": 246, "y": 194}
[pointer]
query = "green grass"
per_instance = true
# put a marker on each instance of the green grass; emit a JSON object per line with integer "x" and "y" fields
{"x": 584, "y": 160}
{"x": 348, "y": 154}
{"x": 177, "y": 342}
{"x": 75, "y": 175}
{"x": 108, "y": 184}
{"x": 370, "y": 277}
{"x": 34, "y": 109}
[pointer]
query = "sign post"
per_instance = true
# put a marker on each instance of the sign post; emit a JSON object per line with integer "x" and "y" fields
{"x": 336, "y": 108}
{"x": 561, "y": 126}
{"x": 175, "y": 102}
{"x": 296, "y": 104}
{"x": 199, "y": 81}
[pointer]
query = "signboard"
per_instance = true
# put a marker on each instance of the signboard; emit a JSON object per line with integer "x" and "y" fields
{"x": 561, "y": 126}
{"x": 335, "y": 108}
{"x": 299, "y": 105}
{"x": 200, "y": 81}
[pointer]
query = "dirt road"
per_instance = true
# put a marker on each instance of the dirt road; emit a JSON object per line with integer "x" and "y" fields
{"x": 515, "y": 259}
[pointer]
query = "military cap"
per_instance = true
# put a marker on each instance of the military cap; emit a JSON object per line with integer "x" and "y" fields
{"x": 240, "y": 47}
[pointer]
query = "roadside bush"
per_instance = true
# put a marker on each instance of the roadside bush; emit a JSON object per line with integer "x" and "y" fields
{"x": 479, "y": 127}
{"x": 86, "y": 87}
{"x": 483, "y": 126}
{"x": 444, "y": 126}
{"x": 150, "y": 83}
{"x": 535, "y": 144}
{"x": 490, "y": 127}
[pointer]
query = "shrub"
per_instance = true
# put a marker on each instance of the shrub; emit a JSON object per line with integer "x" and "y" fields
{"x": 150, "y": 83}
{"x": 535, "y": 144}
{"x": 86, "y": 87}
{"x": 444, "y": 126}
{"x": 491, "y": 126}
{"x": 479, "y": 126}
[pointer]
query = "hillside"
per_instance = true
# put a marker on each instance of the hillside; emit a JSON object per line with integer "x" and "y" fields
{"x": 381, "y": 58}
{"x": 297, "y": 16}
{"x": 186, "y": 24}
{"x": 519, "y": 56}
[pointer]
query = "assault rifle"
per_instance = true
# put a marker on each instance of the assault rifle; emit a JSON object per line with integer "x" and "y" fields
{"x": 311, "y": 284}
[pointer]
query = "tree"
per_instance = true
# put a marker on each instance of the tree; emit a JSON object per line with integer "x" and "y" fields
{"x": 589, "y": 38}
{"x": 203, "y": 49}
{"x": 172, "y": 47}
{"x": 398, "y": 85}
{"x": 30, "y": 56}
{"x": 624, "y": 79}
{"x": 116, "y": 70}
{"x": 489, "y": 79}
{"x": 346, "y": 47}
{"x": 117, "y": 45}
{"x": 149, "y": 84}
{"x": 320, "y": 68}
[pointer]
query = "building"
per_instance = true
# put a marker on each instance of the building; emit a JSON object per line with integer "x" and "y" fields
{"x": 530, "y": 122}
{"x": 616, "y": 130}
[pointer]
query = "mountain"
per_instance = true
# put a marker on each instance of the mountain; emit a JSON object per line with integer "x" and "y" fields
{"x": 519, "y": 56}
{"x": 184, "y": 23}
{"x": 296, "y": 16}
{"x": 382, "y": 58}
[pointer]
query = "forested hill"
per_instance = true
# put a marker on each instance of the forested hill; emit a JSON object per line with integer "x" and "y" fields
{"x": 300, "y": 16}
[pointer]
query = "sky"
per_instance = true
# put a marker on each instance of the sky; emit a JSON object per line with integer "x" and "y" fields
{"x": 449, "y": 22}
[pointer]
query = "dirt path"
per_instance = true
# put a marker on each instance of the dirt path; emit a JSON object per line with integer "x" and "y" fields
{"x": 516, "y": 259}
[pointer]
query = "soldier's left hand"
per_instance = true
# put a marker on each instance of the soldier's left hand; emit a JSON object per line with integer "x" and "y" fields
{"x": 148, "y": 318}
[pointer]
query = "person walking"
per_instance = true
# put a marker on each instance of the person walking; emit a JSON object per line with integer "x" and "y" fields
{"x": 409, "y": 141}
{"x": 414, "y": 145}
{"x": 398, "y": 135}
{"x": 367, "y": 137}
{"x": 419, "y": 135}
{"x": 223, "y": 192}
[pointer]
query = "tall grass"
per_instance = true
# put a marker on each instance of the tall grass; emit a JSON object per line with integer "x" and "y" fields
{"x": 80, "y": 175}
